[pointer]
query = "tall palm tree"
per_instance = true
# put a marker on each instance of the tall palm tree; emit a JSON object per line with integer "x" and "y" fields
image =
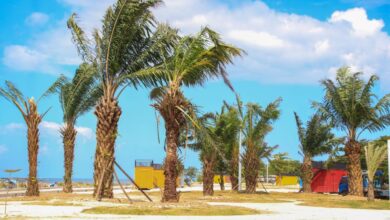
{"x": 316, "y": 139}
{"x": 76, "y": 96}
{"x": 349, "y": 103}
{"x": 29, "y": 110}
{"x": 257, "y": 124}
{"x": 193, "y": 61}
{"x": 128, "y": 44}
{"x": 375, "y": 155}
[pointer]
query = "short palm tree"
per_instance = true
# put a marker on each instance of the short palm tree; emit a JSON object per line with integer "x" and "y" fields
{"x": 316, "y": 139}
{"x": 375, "y": 155}
{"x": 129, "y": 43}
{"x": 349, "y": 103}
{"x": 29, "y": 110}
{"x": 227, "y": 129}
{"x": 257, "y": 124}
{"x": 193, "y": 61}
{"x": 208, "y": 145}
{"x": 76, "y": 96}
{"x": 233, "y": 125}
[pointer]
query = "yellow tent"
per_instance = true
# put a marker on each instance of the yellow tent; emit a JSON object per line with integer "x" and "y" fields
{"x": 158, "y": 176}
{"x": 149, "y": 175}
{"x": 287, "y": 180}
{"x": 217, "y": 179}
{"x": 144, "y": 173}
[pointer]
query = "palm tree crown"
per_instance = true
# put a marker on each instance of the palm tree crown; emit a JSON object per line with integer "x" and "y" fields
{"x": 349, "y": 103}
{"x": 79, "y": 95}
{"x": 128, "y": 43}
{"x": 317, "y": 138}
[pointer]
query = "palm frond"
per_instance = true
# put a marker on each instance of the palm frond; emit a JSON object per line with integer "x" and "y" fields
{"x": 80, "y": 40}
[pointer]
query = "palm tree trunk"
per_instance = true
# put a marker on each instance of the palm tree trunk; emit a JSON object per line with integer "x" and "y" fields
{"x": 353, "y": 151}
{"x": 370, "y": 193}
{"x": 307, "y": 174}
{"x": 33, "y": 120}
{"x": 208, "y": 177}
{"x": 222, "y": 182}
{"x": 108, "y": 113}
{"x": 251, "y": 169}
{"x": 170, "y": 166}
{"x": 233, "y": 170}
{"x": 68, "y": 133}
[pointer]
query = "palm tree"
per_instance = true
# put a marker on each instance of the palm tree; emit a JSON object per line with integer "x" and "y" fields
{"x": 193, "y": 61}
{"x": 227, "y": 128}
{"x": 316, "y": 139}
{"x": 257, "y": 124}
{"x": 375, "y": 155}
{"x": 207, "y": 143}
{"x": 230, "y": 127}
{"x": 128, "y": 44}
{"x": 350, "y": 105}
{"x": 76, "y": 96}
{"x": 29, "y": 110}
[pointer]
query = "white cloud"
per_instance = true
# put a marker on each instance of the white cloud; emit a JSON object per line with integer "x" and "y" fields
{"x": 357, "y": 17}
{"x": 3, "y": 149}
{"x": 260, "y": 39}
{"x": 22, "y": 58}
{"x": 15, "y": 126}
{"x": 284, "y": 47}
{"x": 11, "y": 128}
{"x": 321, "y": 46}
{"x": 53, "y": 128}
{"x": 47, "y": 128}
{"x": 281, "y": 47}
{"x": 37, "y": 19}
{"x": 85, "y": 132}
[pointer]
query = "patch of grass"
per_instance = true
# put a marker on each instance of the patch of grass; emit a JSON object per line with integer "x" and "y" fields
{"x": 222, "y": 196}
{"x": 355, "y": 204}
{"x": 174, "y": 211}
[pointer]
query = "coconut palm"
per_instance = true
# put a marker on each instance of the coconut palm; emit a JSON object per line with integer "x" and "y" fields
{"x": 128, "y": 44}
{"x": 316, "y": 139}
{"x": 193, "y": 61}
{"x": 375, "y": 155}
{"x": 76, "y": 96}
{"x": 257, "y": 124}
{"x": 29, "y": 110}
{"x": 350, "y": 104}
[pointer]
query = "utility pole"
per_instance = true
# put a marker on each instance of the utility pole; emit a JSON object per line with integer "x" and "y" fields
{"x": 239, "y": 162}
{"x": 388, "y": 162}
{"x": 10, "y": 172}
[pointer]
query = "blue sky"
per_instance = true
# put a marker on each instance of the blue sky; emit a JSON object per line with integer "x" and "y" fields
{"x": 291, "y": 46}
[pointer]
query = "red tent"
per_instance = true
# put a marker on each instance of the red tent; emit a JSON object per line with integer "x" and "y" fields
{"x": 326, "y": 180}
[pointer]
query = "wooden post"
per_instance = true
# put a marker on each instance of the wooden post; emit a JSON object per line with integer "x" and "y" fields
{"x": 99, "y": 193}
{"x": 123, "y": 189}
{"x": 127, "y": 175}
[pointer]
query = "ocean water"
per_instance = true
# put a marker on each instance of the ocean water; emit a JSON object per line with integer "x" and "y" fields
{"x": 77, "y": 180}
{"x": 56, "y": 180}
